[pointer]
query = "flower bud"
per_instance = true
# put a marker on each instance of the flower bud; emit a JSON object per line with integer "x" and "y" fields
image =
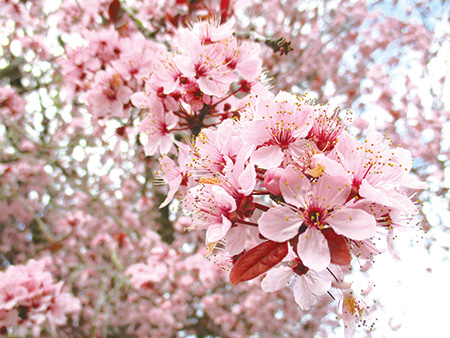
{"x": 272, "y": 180}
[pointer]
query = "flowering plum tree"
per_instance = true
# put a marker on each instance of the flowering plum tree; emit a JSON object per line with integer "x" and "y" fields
{"x": 127, "y": 125}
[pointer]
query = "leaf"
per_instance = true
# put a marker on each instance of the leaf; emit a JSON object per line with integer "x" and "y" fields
{"x": 115, "y": 11}
{"x": 257, "y": 261}
{"x": 224, "y": 4}
{"x": 339, "y": 251}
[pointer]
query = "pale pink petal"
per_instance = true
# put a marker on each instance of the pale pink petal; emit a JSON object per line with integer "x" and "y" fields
{"x": 349, "y": 321}
{"x": 256, "y": 132}
{"x": 279, "y": 224}
{"x": 223, "y": 199}
{"x": 174, "y": 184}
{"x": 171, "y": 120}
{"x": 391, "y": 245}
{"x": 212, "y": 87}
{"x": 389, "y": 198}
{"x": 276, "y": 279}
{"x": 247, "y": 180}
{"x": 267, "y": 157}
{"x": 313, "y": 249}
{"x": 217, "y": 231}
{"x": 331, "y": 191}
{"x": 236, "y": 238}
{"x": 331, "y": 167}
{"x": 165, "y": 143}
{"x": 412, "y": 183}
{"x": 353, "y": 223}
{"x": 140, "y": 100}
{"x": 150, "y": 147}
{"x": 319, "y": 282}
{"x": 302, "y": 294}
{"x": 295, "y": 187}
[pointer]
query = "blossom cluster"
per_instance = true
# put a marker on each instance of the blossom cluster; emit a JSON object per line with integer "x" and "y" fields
{"x": 284, "y": 190}
{"x": 29, "y": 299}
{"x": 71, "y": 76}
{"x": 198, "y": 83}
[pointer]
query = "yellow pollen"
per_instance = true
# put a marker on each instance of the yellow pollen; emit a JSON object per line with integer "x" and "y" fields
{"x": 209, "y": 180}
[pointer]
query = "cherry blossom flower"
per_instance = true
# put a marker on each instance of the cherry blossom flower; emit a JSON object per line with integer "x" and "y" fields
{"x": 212, "y": 31}
{"x": 157, "y": 124}
{"x": 373, "y": 171}
{"x": 353, "y": 312}
{"x": 276, "y": 126}
{"x": 172, "y": 174}
{"x": 308, "y": 284}
{"x": 211, "y": 208}
{"x": 206, "y": 63}
{"x": 311, "y": 208}
{"x": 109, "y": 95}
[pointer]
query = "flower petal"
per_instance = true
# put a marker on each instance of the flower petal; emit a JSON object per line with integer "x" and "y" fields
{"x": 313, "y": 249}
{"x": 353, "y": 223}
{"x": 302, "y": 294}
{"x": 217, "y": 231}
{"x": 267, "y": 157}
{"x": 276, "y": 279}
{"x": 236, "y": 237}
{"x": 279, "y": 224}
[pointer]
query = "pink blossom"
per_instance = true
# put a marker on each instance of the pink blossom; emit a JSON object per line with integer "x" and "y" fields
{"x": 156, "y": 126}
{"x": 206, "y": 63}
{"x": 11, "y": 104}
{"x": 308, "y": 284}
{"x": 276, "y": 126}
{"x": 374, "y": 171}
{"x": 211, "y": 208}
{"x": 212, "y": 31}
{"x": 143, "y": 275}
{"x": 172, "y": 174}
{"x": 244, "y": 58}
{"x": 314, "y": 207}
{"x": 108, "y": 95}
{"x": 29, "y": 299}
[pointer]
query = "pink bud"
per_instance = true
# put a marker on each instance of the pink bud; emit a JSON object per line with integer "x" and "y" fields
{"x": 272, "y": 180}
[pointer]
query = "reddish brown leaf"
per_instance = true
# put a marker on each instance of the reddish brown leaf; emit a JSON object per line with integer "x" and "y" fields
{"x": 257, "y": 261}
{"x": 115, "y": 11}
{"x": 339, "y": 251}
{"x": 224, "y": 4}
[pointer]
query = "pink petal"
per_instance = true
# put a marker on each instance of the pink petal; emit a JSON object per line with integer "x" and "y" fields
{"x": 174, "y": 184}
{"x": 313, "y": 249}
{"x": 268, "y": 157}
{"x": 331, "y": 191}
{"x": 223, "y": 199}
{"x": 302, "y": 294}
{"x": 140, "y": 100}
{"x": 279, "y": 224}
{"x": 276, "y": 279}
{"x": 332, "y": 167}
{"x": 349, "y": 322}
{"x": 247, "y": 180}
{"x": 217, "y": 231}
{"x": 165, "y": 143}
{"x": 150, "y": 147}
{"x": 295, "y": 187}
{"x": 236, "y": 240}
{"x": 256, "y": 132}
{"x": 319, "y": 282}
{"x": 353, "y": 223}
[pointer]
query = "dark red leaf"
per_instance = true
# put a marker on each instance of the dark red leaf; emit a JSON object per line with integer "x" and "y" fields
{"x": 339, "y": 250}
{"x": 115, "y": 11}
{"x": 257, "y": 261}
{"x": 224, "y": 4}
